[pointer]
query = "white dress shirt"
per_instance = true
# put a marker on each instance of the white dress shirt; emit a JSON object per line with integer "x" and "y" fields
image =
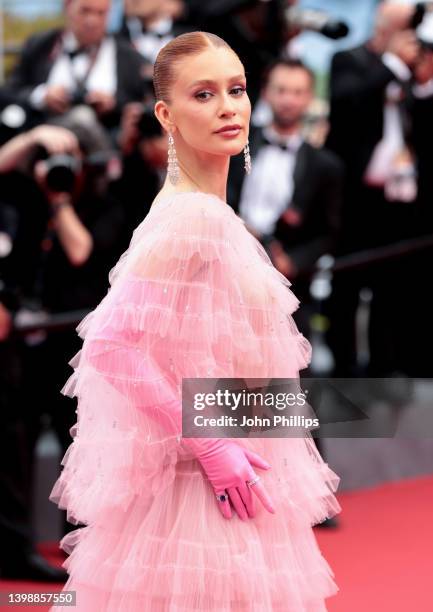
{"x": 268, "y": 190}
{"x": 392, "y": 142}
{"x": 67, "y": 71}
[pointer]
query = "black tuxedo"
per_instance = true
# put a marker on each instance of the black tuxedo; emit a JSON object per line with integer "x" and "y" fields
{"x": 39, "y": 54}
{"x": 316, "y": 197}
{"x": 358, "y": 84}
{"x": 357, "y": 94}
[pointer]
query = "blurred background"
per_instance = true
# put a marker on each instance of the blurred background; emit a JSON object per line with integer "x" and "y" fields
{"x": 21, "y": 18}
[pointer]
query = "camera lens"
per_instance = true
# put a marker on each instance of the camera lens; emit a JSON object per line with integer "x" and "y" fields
{"x": 61, "y": 173}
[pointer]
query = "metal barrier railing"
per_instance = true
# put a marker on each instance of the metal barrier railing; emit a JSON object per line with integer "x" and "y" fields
{"x": 377, "y": 254}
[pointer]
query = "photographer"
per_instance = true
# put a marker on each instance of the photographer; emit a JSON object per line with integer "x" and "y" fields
{"x": 370, "y": 131}
{"x": 61, "y": 209}
{"x": 71, "y": 232}
{"x": 81, "y": 64}
{"x": 71, "y": 228}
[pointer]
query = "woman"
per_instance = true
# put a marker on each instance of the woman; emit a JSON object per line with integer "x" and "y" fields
{"x": 221, "y": 524}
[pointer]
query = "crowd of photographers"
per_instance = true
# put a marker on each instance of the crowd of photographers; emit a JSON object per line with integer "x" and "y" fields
{"x": 82, "y": 157}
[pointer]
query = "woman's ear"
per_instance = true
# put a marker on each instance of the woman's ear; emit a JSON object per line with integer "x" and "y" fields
{"x": 162, "y": 113}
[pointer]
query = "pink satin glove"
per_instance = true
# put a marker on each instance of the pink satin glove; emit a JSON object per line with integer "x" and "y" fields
{"x": 228, "y": 467}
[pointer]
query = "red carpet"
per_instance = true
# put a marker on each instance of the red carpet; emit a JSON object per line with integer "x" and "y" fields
{"x": 381, "y": 553}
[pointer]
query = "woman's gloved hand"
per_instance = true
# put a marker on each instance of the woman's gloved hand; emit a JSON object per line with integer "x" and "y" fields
{"x": 228, "y": 467}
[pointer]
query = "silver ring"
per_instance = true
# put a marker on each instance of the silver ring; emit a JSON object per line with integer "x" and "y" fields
{"x": 222, "y": 497}
{"x": 252, "y": 482}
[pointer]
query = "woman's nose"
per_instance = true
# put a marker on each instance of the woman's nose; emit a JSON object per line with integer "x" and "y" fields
{"x": 228, "y": 105}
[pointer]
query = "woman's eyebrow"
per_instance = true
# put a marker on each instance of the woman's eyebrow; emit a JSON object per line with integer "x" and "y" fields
{"x": 211, "y": 82}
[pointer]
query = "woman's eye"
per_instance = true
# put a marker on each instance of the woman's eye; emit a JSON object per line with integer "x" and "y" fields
{"x": 239, "y": 90}
{"x": 202, "y": 95}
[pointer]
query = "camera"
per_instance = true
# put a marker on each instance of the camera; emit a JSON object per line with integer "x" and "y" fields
{"x": 62, "y": 171}
{"x": 79, "y": 96}
{"x": 315, "y": 21}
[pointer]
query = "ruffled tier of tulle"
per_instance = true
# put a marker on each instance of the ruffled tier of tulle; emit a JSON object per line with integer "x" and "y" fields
{"x": 177, "y": 552}
{"x": 118, "y": 453}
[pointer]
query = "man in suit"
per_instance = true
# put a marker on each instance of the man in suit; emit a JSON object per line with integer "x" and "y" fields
{"x": 369, "y": 131}
{"x": 80, "y": 64}
{"x": 292, "y": 197}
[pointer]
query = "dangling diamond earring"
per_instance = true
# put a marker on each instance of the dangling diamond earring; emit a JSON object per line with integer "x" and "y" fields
{"x": 247, "y": 158}
{"x": 173, "y": 167}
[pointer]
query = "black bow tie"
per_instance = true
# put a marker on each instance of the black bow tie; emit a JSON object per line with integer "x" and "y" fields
{"x": 282, "y": 145}
{"x": 75, "y": 53}
{"x": 81, "y": 51}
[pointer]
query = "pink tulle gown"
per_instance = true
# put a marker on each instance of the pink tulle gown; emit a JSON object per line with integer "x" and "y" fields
{"x": 195, "y": 295}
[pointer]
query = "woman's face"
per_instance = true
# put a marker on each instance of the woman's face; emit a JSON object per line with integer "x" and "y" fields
{"x": 209, "y": 94}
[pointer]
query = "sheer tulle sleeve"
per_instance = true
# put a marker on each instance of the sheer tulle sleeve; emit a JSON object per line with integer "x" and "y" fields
{"x": 195, "y": 295}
